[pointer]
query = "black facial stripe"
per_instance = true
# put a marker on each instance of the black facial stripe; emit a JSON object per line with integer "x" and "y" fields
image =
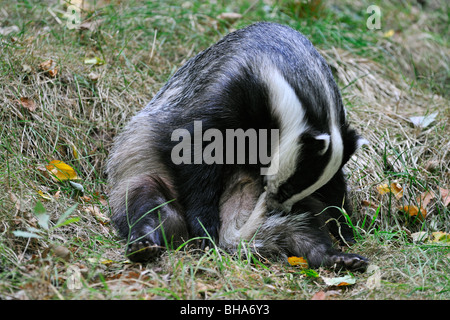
{"x": 285, "y": 191}
{"x": 309, "y": 169}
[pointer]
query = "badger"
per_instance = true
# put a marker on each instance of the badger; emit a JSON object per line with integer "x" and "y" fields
{"x": 172, "y": 177}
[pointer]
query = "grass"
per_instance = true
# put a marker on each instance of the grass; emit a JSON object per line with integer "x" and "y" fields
{"x": 385, "y": 80}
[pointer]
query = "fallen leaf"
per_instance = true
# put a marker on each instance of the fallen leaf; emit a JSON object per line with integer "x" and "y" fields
{"x": 395, "y": 188}
{"x": 94, "y": 61}
{"x": 383, "y": 188}
{"x": 27, "y": 103}
{"x": 62, "y": 252}
{"x": 440, "y": 236}
{"x": 298, "y": 261}
{"x": 389, "y": 33}
{"x": 445, "y": 196}
{"x": 413, "y": 211}
{"x": 46, "y": 196}
{"x": 77, "y": 186}
{"x": 419, "y": 236}
{"x": 424, "y": 199}
{"x": 61, "y": 171}
{"x": 367, "y": 203}
{"x": 374, "y": 281}
{"x": 423, "y": 121}
{"x": 321, "y": 295}
{"x": 93, "y": 76}
{"x": 49, "y": 66}
{"x": 340, "y": 281}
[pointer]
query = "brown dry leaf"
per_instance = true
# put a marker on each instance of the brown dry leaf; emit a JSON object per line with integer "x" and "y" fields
{"x": 61, "y": 171}
{"x": 415, "y": 211}
{"x": 14, "y": 199}
{"x": 445, "y": 196}
{"x": 49, "y": 66}
{"x": 367, "y": 203}
{"x": 298, "y": 261}
{"x": 424, "y": 199}
{"x": 320, "y": 295}
{"x": 27, "y": 103}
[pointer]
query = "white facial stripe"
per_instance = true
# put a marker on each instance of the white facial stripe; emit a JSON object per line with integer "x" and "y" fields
{"x": 337, "y": 153}
{"x": 287, "y": 107}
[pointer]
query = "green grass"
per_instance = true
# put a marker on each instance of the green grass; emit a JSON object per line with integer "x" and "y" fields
{"x": 384, "y": 81}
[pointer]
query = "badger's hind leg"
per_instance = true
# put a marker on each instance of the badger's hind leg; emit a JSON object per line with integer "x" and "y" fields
{"x": 145, "y": 214}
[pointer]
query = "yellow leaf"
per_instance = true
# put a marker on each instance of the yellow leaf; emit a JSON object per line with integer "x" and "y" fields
{"x": 440, "y": 236}
{"x": 75, "y": 152}
{"x": 95, "y": 61}
{"x": 44, "y": 195}
{"x": 61, "y": 171}
{"x": 106, "y": 261}
{"x": 389, "y": 33}
{"x": 298, "y": 261}
{"x": 415, "y": 211}
{"x": 397, "y": 190}
{"x": 383, "y": 188}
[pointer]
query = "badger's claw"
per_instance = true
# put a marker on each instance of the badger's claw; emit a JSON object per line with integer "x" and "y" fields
{"x": 350, "y": 261}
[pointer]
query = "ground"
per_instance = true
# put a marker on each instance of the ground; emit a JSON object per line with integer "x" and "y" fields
{"x": 67, "y": 89}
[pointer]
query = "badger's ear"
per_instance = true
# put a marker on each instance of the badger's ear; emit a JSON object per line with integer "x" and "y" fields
{"x": 352, "y": 142}
{"x": 318, "y": 143}
{"x": 323, "y": 140}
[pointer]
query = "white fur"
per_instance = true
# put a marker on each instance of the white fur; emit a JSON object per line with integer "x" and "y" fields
{"x": 287, "y": 107}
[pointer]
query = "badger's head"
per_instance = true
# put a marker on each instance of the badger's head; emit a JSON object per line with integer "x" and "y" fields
{"x": 310, "y": 164}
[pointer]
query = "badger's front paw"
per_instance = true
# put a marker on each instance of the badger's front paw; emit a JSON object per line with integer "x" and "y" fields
{"x": 350, "y": 261}
{"x": 143, "y": 251}
{"x": 144, "y": 246}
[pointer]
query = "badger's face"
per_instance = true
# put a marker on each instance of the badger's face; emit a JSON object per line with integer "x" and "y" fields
{"x": 317, "y": 159}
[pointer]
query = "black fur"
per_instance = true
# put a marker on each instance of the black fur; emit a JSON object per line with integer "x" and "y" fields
{"x": 223, "y": 88}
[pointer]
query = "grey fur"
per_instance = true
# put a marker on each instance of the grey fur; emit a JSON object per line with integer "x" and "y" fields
{"x": 246, "y": 75}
